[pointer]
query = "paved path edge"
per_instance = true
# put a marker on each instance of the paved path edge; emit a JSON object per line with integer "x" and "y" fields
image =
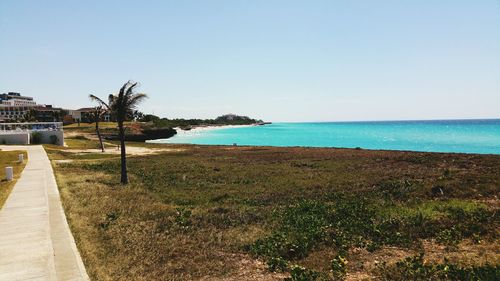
{"x": 36, "y": 240}
{"x": 55, "y": 203}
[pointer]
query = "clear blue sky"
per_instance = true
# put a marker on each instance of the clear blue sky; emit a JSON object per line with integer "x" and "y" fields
{"x": 276, "y": 60}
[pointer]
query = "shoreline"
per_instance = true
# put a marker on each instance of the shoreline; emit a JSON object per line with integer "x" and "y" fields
{"x": 199, "y": 130}
{"x": 212, "y": 127}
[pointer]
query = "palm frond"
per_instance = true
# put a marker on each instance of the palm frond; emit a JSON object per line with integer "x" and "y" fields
{"x": 111, "y": 99}
{"x": 100, "y": 101}
{"x": 123, "y": 88}
{"x": 135, "y": 99}
{"x": 130, "y": 87}
{"x": 120, "y": 105}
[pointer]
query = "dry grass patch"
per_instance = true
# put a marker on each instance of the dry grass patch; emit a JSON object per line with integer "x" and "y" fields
{"x": 10, "y": 159}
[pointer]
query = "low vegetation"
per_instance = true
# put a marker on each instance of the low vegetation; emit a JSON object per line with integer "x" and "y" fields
{"x": 9, "y": 159}
{"x": 416, "y": 268}
{"x": 262, "y": 213}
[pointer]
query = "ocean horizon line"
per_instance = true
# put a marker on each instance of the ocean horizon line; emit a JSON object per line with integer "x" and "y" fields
{"x": 389, "y": 120}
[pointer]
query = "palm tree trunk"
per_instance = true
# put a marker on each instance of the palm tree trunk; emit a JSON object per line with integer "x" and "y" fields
{"x": 124, "y": 177}
{"x": 99, "y": 134}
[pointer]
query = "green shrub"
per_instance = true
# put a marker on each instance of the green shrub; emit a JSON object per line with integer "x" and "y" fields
{"x": 447, "y": 221}
{"x": 449, "y": 237}
{"x": 339, "y": 267}
{"x": 80, "y": 137}
{"x": 302, "y": 227}
{"x": 396, "y": 190}
{"x": 353, "y": 223}
{"x": 356, "y": 222}
{"x": 416, "y": 268}
{"x": 110, "y": 218}
{"x": 411, "y": 268}
{"x": 277, "y": 264}
{"x": 54, "y": 139}
{"x": 472, "y": 219}
{"x": 183, "y": 217}
{"x": 481, "y": 273}
{"x": 36, "y": 138}
{"x": 299, "y": 273}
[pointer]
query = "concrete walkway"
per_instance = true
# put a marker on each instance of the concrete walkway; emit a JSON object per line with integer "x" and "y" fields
{"x": 35, "y": 240}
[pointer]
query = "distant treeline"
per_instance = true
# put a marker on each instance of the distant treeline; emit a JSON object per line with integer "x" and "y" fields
{"x": 228, "y": 119}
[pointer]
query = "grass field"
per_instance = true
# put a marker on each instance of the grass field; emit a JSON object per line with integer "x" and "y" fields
{"x": 79, "y": 143}
{"x": 261, "y": 213}
{"x": 9, "y": 159}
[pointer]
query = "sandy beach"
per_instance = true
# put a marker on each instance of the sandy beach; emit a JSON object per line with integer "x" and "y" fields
{"x": 210, "y": 128}
{"x": 202, "y": 129}
{"x": 199, "y": 130}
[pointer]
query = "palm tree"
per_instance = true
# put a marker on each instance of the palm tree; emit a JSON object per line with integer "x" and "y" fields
{"x": 121, "y": 106}
{"x": 97, "y": 114}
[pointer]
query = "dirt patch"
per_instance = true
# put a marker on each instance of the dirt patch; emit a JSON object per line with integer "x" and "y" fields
{"x": 248, "y": 269}
{"x": 363, "y": 261}
{"x": 131, "y": 150}
{"x": 63, "y": 161}
{"x": 466, "y": 253}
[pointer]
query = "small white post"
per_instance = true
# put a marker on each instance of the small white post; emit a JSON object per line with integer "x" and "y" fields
{"x": 9, "y": 173}
{"x": 21, "y": 158}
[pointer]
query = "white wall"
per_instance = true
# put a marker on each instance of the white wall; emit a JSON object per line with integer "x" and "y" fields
{"x": 46, "y": 137}
{"x": 15, "y": 138}
{"x": 23, "y": 138}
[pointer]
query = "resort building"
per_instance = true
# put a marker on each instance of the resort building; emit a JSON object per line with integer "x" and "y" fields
{"x": 85, "y": 115}
{"x": 13, "y": 106}
{"x": 17, "y": 108}
{"x": 15, "y": 99}
{"x": 48, "y": 113}
{"x": 32, "y": 123}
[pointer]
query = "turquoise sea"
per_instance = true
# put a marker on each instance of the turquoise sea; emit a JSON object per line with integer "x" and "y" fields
{"x": 468, "y": 136}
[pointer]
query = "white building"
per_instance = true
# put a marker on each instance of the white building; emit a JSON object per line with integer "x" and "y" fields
{"x": 86, "y": 115}
{"x": 14, "y": 106}
{"x": 15, "y": 99}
